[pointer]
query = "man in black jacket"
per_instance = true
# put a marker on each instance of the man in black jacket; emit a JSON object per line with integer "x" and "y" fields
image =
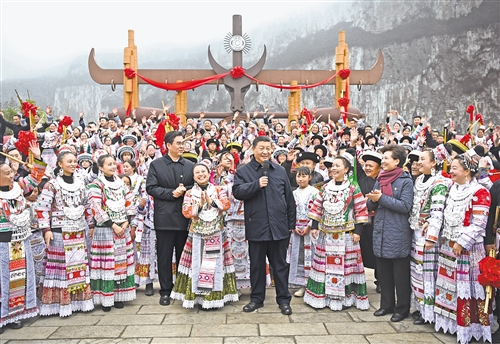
{"x": 168, "y": 179}
{"x": 269, "y": 217}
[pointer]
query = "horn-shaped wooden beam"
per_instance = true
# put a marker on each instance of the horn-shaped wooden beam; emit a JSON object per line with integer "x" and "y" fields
{"x": 303, "y": 77}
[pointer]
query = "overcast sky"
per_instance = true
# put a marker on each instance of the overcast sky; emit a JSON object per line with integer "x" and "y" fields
{"x": 38, "y": 36}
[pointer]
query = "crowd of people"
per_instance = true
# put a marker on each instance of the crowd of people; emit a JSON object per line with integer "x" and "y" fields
{"x": 92, "y": 213}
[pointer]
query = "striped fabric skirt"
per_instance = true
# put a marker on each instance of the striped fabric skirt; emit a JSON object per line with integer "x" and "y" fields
{"x": 111, "y": 267}
{"x": 26, "y": 292}
{"x": 235, "y": 230}
{"x": 191, "y": 285}
{"x": 299, "y": 256}
{"x": 39, "y": 256}
{"x": 460, "y": 299}
{"x": 337, "y": 278}
{"x": 145, "y": 258}
{"x": 54, "y": 294}
{"x": 423, "y": 266}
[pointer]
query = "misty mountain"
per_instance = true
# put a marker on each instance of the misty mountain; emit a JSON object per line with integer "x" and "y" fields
{"x": 439, "y": 56}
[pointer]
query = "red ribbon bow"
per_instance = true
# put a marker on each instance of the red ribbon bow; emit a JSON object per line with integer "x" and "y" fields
{"x": 344, "y": 73}
{"x": 479, "y": 118}
{"x": 130, "y": 73}
{"x": 173, "y": 120}
{"x": 237, "y": 72}
{"x": 344, "y": 102}
{"x": 470, "y": 111}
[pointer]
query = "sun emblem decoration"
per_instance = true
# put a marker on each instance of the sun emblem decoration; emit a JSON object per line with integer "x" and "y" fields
{"x": 237, "y": 43}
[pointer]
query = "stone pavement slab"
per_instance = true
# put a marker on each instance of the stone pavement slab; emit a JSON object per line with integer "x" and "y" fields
{"x": 337, "y": 339}
{"x": 259, "y": 340}
{"x": 225, "y": 330}
{"x": 83, "y": 332}
{"x": 320, "y": 317}
{"x": 427, "y": 338}
{"x": 45, "y": 341}
{"x": 129, "y": 319}
{"x": 292, "y": 329}
{"x": 29, "y": 333}
{"x": 194, "y": 319}
{"x": 151, "y": 331}
{"x": 359, "y": 328}
{"x": 117, "y": 341}
{"x": 188, "y": 340}
{"x": 67, "y": 321}
{"x": 256, "y": 318}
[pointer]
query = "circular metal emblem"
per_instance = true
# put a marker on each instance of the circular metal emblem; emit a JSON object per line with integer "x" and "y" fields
{"x": 237, "y": 43}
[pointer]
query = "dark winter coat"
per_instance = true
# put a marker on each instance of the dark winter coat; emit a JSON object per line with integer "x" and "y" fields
{"x": 391, "y": 229}
{"x": 164, "y": 176}
{"x": 269, "y": 212}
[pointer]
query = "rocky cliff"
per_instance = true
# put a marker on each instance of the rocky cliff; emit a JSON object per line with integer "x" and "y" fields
{"x": 439, "y": 55}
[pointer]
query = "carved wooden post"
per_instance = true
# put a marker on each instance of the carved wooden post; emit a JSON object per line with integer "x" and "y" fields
{"x": 341, "y": 62}
{"x": 181, "y": 104}
{"x": 130, "y": 86}
{"x": 293, "y": 103}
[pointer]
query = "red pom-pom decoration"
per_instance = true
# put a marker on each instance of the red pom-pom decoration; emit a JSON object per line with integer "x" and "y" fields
{"x": 130, "y": 73}
{"x": 173, "y": 120}
{"x": 237, "y": 72}
{"x": 470, "y": 111}
{"x": 23, "y": 142}
{"x": 344, "y": 73}
{"x": 465, "y": 139}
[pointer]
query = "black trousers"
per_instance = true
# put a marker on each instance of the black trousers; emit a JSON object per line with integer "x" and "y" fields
{"x": 166, "y": 241}
{"x": 275, "y": 251}
{"x": 395, "y": 273}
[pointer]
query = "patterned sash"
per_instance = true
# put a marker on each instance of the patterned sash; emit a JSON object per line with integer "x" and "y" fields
{"x": 76, "y": 261}
{"x": 120, "y": 258}
{"x": 211, "y": 251}
{"x": 334, "y": 270}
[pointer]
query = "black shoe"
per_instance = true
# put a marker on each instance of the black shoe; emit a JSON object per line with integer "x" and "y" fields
{"x": 416, "y": 314}
{"x": 165, "y": 300}
{"x": 149, "y": 290}
{"x": 119, "y": 305}
{"x": 381, "y": 311}
{"x": 418, "y": 321}
{"x": 286, "y": 309}
{"x": 106, "y": 309}
{"x": 2, "y": 329}
{"x": 252, "y": 307}
{"x": 397, "y": 317}
{"x": 378, "y": 289}
{"x": 16, "y": 325}
{"x": 345, "y": 307}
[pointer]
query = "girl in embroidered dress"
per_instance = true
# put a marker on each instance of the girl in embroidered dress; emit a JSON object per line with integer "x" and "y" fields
{"x": 62, "y": 209}
{"x": 337, "y": 279}
{"x": 51, "y": 140}
{"x": 300, "y": 251}
{"x": 111, "y": 280}
{"x": 206, "y": 270}
{"x": 17, "y": 271}
{"x": 142, "y": 237}
{"x": 460, "y": 299}
{"x": 426, "y": 219}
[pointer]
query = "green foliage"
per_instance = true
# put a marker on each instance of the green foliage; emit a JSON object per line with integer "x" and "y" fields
{"x": 9, "y": 109}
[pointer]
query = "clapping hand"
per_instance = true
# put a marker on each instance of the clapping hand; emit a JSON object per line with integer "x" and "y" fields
{"x": 374, "y": 195}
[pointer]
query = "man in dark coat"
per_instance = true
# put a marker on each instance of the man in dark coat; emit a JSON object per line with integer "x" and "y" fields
{"x": 168, "y": 179}
{"x": 270, "y": 215}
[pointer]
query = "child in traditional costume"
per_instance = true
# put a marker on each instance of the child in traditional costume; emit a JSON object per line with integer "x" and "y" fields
{"x": 206, "y": 269}
{"x": 112, "y": 252}
{"x": 62, "y": 209}
{"x": 300, "y": 251}
{"x": 337, "y": 279}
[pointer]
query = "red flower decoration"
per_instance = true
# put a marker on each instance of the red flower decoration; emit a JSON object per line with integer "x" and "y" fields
{"x": 28, "y": 108}
{"x": 490, "y": 272}
{"x": 479, "y": 118}
{"x": 344, "y": 73}
{"x": 261, "y": 133}
{"x": 65, "y": 122}
{"x": 173, "y": 120}
{"x": 305, "y": 113}
{"x": 465, "y": 139}
{"x": 303, "y": 129}
{"x": 344, "y": 102}
{"x": 237, "y": 72}
{"x": 130, "y": 73}
{"x": 23, "y": 142}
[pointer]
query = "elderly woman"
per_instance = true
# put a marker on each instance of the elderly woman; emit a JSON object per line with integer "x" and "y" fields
{"x": 392, "y": 199}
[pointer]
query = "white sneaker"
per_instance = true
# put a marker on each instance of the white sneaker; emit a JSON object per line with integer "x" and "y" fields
{"x": 300, "y": 292}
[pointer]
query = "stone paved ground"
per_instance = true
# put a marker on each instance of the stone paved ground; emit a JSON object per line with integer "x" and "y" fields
{"x": 145, "y": 321}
